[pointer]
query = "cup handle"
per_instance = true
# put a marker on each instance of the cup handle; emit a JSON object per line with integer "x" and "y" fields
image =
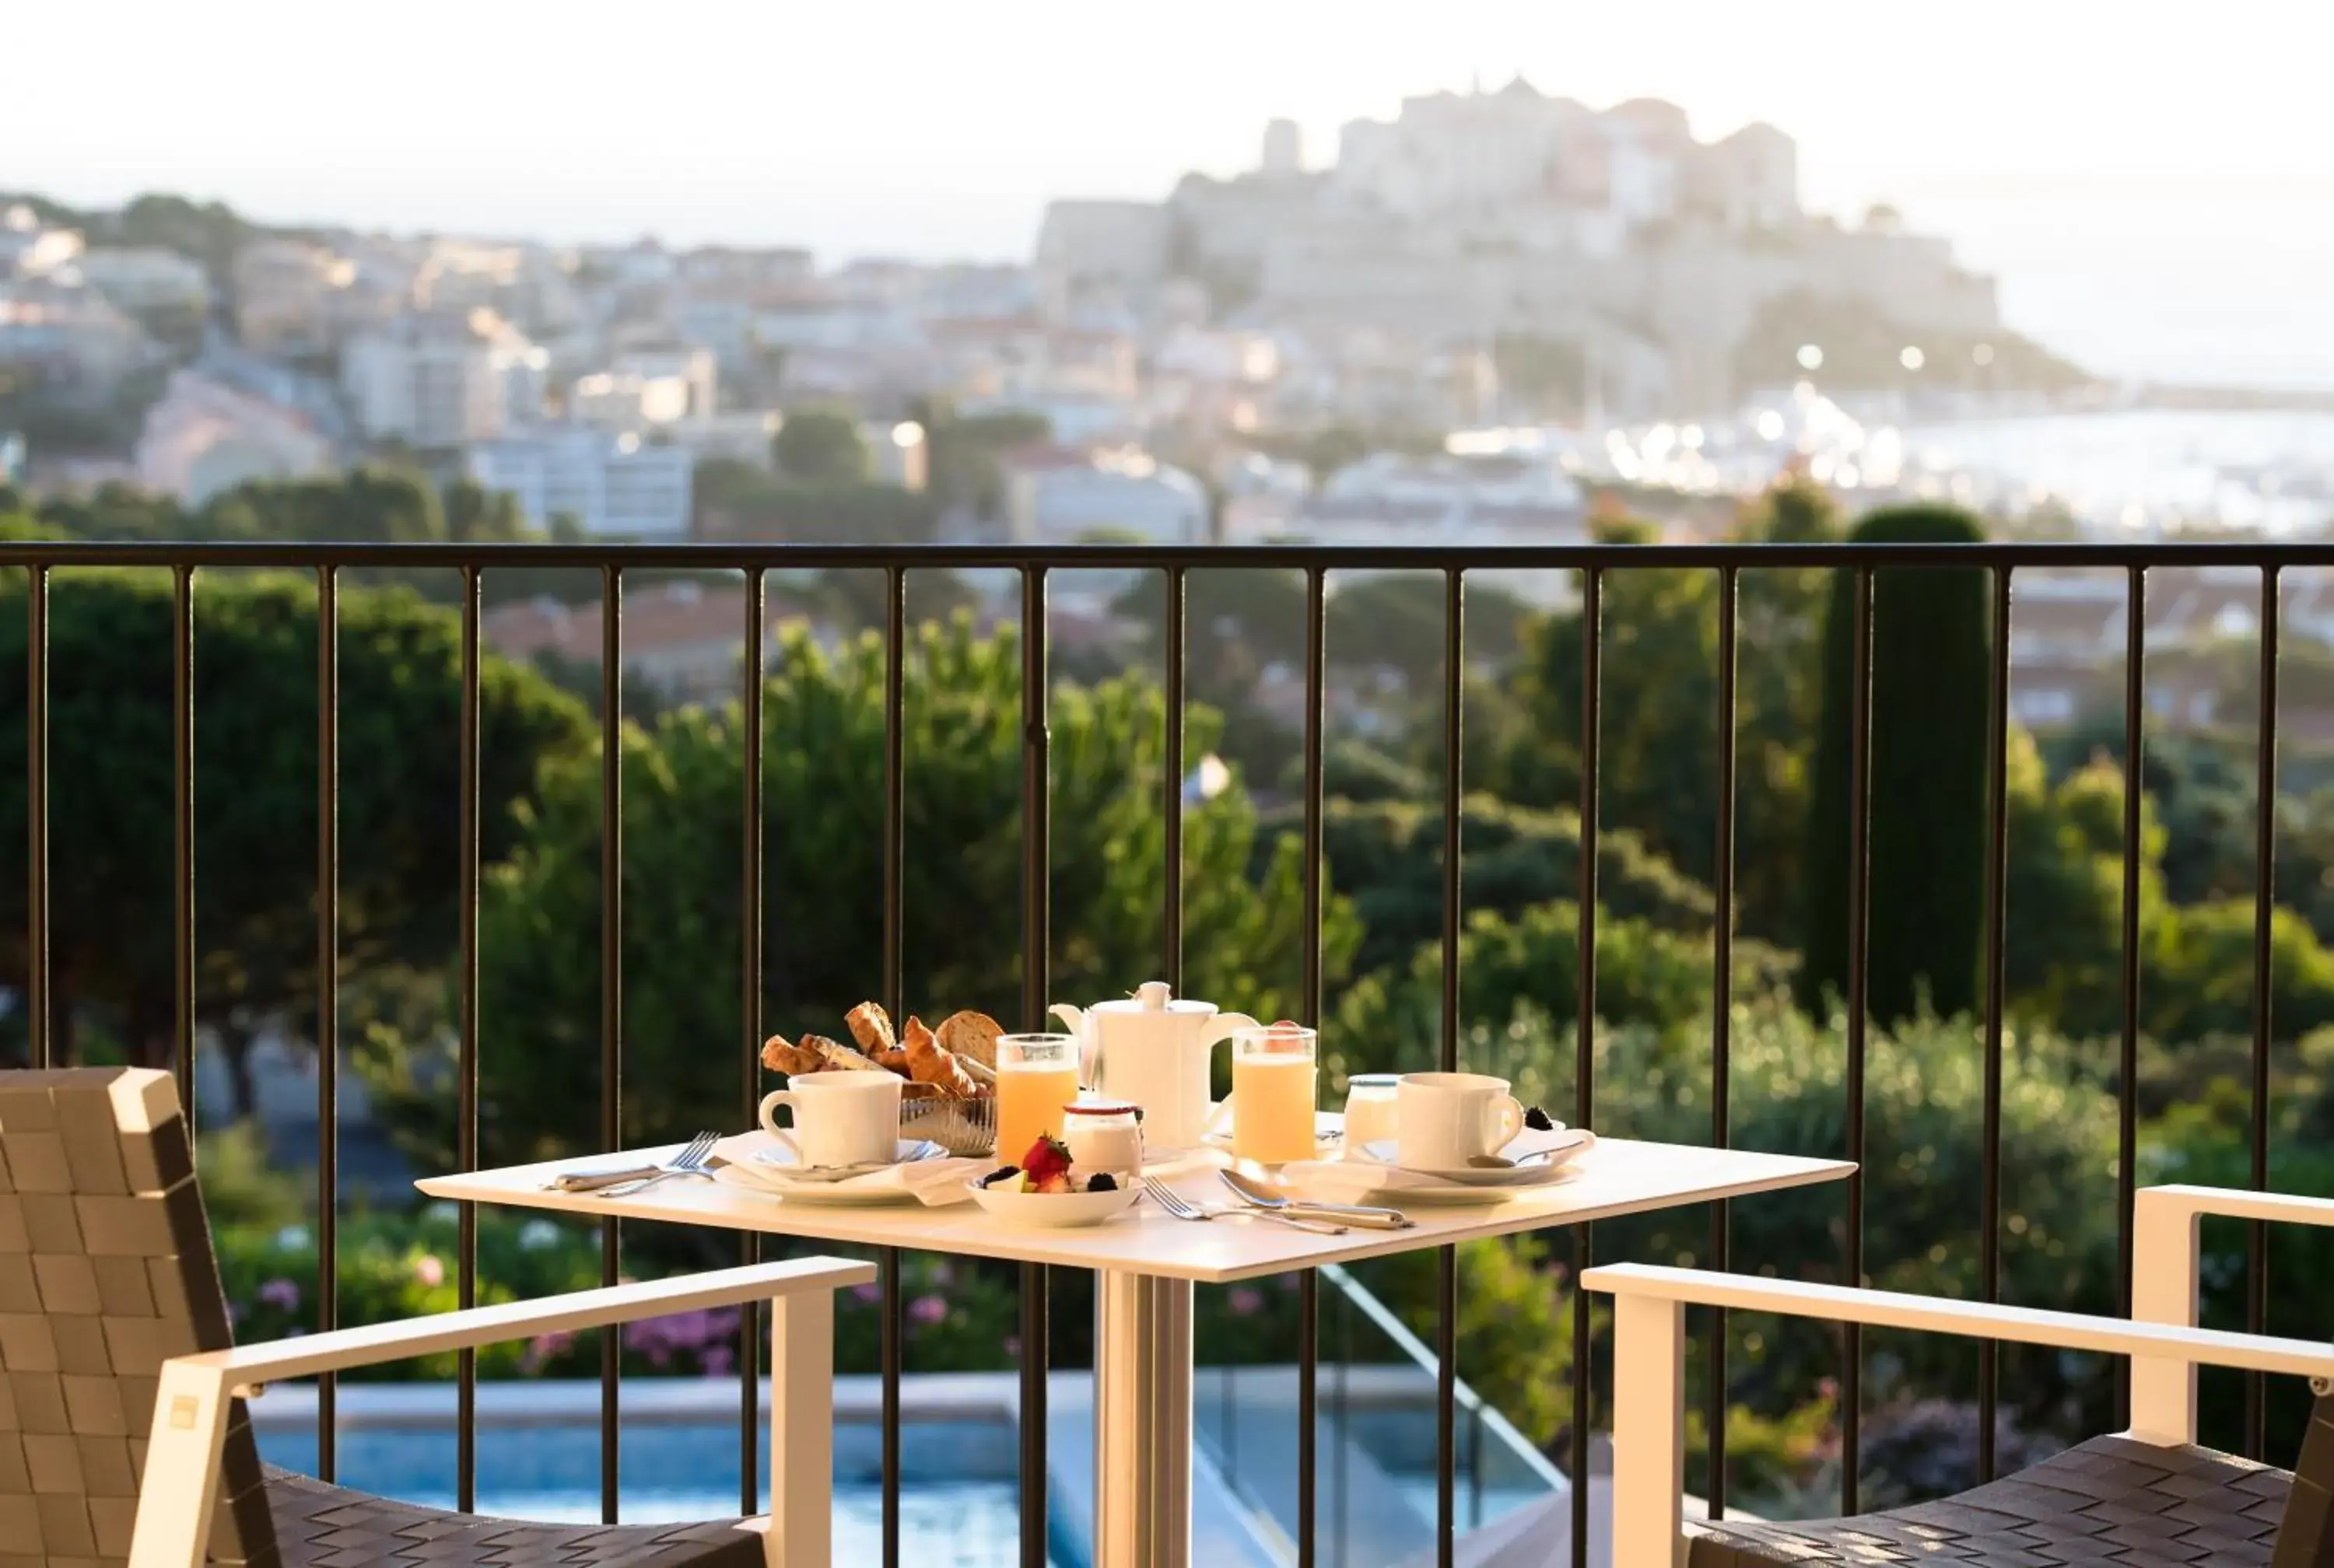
{"x": 1511, "y": 1122}
{"x": 771, "y": 1102}
{"x": 1217, "y": 1114}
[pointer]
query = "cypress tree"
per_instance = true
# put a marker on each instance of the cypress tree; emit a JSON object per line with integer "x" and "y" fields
{"x": 1926, "y": 844}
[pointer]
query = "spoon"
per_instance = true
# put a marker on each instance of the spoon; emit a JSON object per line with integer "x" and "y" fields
{"x": 1501, "y": 1162}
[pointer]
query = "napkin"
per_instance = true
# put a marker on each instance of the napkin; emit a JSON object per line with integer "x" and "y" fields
{"x": 934, "y": 1183}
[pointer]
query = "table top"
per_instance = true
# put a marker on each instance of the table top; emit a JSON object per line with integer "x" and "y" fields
{"x": 1617, "y": 1177}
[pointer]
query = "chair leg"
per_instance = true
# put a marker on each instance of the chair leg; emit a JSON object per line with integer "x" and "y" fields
{"x": 181, "y": 1487}
{"x": 802, "y": 1432}
{"x": 1648, "y": 1431}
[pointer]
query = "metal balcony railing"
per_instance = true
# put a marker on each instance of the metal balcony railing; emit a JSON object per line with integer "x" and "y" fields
{"x": 1593, "y": 564}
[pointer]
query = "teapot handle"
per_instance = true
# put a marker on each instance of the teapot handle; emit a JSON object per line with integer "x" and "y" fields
{"x": 1224, "y": 1026}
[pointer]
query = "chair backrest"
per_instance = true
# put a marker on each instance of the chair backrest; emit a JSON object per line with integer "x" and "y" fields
{"x": 105, "y": 1270}
{"x": 2305, "y": 1536}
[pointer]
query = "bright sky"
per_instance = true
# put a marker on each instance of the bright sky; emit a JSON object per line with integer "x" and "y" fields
{"x": 935, "y": 127}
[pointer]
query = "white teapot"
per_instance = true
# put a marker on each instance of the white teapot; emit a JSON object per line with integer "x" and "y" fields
{"x": 1153, "y": 1049}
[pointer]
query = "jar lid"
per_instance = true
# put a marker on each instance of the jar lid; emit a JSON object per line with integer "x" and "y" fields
{"x": 1102, "y": 1108}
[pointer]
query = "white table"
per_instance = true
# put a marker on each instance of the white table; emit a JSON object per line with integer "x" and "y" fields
{"x": 1146, "y": 1263}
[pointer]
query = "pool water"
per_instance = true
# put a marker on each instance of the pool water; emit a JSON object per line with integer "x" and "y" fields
{"x": 675, "y": 1472}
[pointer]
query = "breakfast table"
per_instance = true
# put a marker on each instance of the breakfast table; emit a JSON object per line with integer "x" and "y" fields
{"x": 1146, "y": 1262}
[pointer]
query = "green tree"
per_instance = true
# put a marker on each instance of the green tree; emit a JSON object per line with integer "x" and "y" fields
{"x": 1925, "y": 784}
{"x": 255, "y": 698}
{"x": 821, "y": 446}
{"x": 823, "y": 768}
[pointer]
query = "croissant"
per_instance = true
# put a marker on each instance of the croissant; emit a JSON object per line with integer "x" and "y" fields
{"x": 929, "y": 1062}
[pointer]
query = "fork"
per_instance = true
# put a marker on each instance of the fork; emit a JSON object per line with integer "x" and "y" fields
{"x": 689, "y": 1161}
{"x": 1183, "y": 1208}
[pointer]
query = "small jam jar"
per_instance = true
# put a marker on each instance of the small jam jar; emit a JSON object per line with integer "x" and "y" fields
{"x": 1103, "y": 1135}
{"x": 1369, "y": 1108}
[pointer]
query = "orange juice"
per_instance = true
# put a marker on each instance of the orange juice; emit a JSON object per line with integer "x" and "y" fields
{"x": 1029, "y": 1100}
{"x": 1272, "y": 1106}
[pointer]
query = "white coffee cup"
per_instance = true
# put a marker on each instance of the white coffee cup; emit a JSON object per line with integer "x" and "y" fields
{"x": 1444, "y": 1120}
{"x": 849, "y": 1117}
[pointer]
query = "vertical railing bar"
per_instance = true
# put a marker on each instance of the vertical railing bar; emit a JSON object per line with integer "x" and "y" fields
{"x": 611, "y": 993}
{"x": 2256, "y": 1436}
{"x": 1170, "y": 803}
{"x": 750, "y": 1013}
{"x": 1859, "y": 886}
{"x": 36, "y": 815}
{"x": 1997, "y": 896}
{"x": 328, "y": 1003}
{"x": 2134, "y": 653}
{"x": 1721, "y": 1013}
{"x": 182, "y": 789}
{"x": 1308, "y": 1283}
{"x": 465, "y": 1073}
{"x": 1584, "y": 1045}
{"x": 1036, "y": 870}
{"x": 1446, "y": 1328}
{"x": 892, "y": 1307}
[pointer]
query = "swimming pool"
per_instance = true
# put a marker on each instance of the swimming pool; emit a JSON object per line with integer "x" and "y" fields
{"x": 675, "y": 1471}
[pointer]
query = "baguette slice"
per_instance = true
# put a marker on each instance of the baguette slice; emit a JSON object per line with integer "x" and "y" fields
{"x": 871, "y": 1027}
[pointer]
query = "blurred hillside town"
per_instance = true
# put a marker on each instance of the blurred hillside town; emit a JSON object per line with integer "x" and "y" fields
{"x": 1485, "y": 320}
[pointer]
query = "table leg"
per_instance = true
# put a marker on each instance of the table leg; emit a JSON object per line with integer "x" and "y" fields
{"x": 1142, "y": 1421}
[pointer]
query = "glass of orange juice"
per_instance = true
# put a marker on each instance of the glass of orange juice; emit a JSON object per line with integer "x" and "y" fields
{"x": 1037, "y": 1075}
{"x": 1273, "y": 1088}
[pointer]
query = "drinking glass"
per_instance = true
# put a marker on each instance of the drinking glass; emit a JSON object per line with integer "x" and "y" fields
{"x": 1274, "y": 1081}
{"x": 1037, "y": 1075}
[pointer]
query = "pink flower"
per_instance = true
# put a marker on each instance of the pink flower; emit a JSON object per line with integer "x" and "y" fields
{"x": 928, "y": 1308}
{"x": 1013, "y": 1345}
{"x": 280, "y": 1294}
{"x": 1246, "y": 1302}
{"x": 868, "y": 1293}
{"x": 429, "y": 1270}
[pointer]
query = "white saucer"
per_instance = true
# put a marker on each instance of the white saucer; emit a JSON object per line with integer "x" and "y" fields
{"x": 1556, "y": 1150}
{"x": 785, "y": 1176}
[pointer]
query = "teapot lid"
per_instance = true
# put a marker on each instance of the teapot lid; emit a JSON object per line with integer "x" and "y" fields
{"x": 1155, "y": 996}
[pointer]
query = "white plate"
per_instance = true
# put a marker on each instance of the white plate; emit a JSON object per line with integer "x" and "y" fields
{"x": 1561, "y": 1147}
{"x": 1055, "y": 1210}
{"x": 1328, "y": 1131}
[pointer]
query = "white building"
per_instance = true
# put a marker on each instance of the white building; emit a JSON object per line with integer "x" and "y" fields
{"x": 1115, "y": 246}
{"x": 1060, "y": 496}
{"x": 691, "y": 371}
{"x": 72, "y": 336}
{"x": 203, "y": 438}
{"x": 30, "y": 248}
{"x": 435, "y": 380}
{"x": 614, "y": 487}
{"x": 738, "y": 437}
{"x": 146, "y": 279}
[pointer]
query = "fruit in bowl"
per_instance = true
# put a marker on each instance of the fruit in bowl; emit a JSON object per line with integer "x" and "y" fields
{"x": 1046, "y": 1189}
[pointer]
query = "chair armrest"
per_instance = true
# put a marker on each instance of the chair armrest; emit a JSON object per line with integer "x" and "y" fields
{"x": 191, "y": 1401}
{"x": 247, "y": 1367}
{"x": 2237, "y": 1203}
{"x": 1649, "y": 1367}
{"x": 1975, "y": 1320}
{"x": 2165, "y": 1254}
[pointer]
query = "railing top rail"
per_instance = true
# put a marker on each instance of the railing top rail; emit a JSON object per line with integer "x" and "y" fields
{"x": 775, "y": 554}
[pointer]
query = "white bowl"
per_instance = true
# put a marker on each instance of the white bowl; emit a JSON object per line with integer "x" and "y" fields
{"x": 1054, "y": 1209}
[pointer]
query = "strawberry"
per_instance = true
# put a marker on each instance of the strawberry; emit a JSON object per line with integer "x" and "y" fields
{"x": 1046, "y": 1157}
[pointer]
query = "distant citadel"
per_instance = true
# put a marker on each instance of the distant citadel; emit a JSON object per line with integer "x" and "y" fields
{"x": 1476, "y": 215}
